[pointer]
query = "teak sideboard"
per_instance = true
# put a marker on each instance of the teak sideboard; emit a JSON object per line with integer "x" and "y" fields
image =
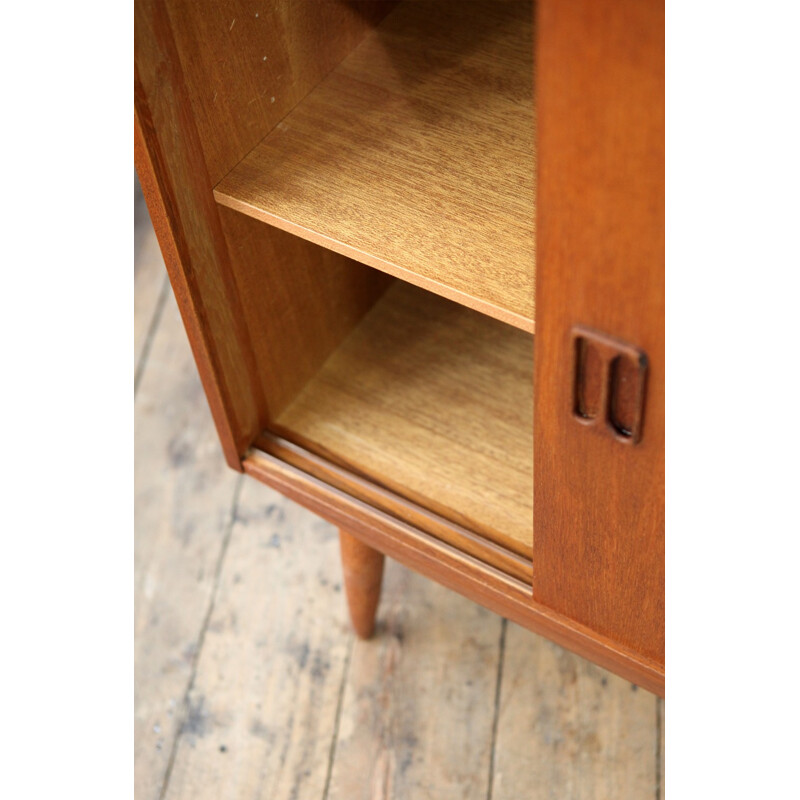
{"x": 418, "y": 249}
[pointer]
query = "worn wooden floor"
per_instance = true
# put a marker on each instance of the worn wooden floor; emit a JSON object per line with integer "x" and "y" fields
{"x": 250, "y": 684}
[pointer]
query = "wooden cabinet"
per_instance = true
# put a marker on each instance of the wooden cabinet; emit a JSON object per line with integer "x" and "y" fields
{"x": 424, "y": 290}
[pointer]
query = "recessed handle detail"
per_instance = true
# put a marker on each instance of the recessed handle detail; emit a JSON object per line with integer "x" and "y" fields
{"x": 609, "y": 384}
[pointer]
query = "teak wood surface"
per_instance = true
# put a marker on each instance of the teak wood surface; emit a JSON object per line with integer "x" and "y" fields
{"x": 253, "y": 298}
{"x": 249, "y": 681}
{"x": 435, "y": 402}
{"x": 452, "y": 567}
{"x": 598, "y": 548}
{"x": 362, "y": 574}
{"x": 205, "y": 75}
{"x": 416, "y": 156}
{"x": 299, "y": 302}
{"x": 382, "y": 499}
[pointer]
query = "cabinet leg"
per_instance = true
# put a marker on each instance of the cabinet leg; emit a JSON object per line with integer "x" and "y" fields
{"x": 362, "y": 567}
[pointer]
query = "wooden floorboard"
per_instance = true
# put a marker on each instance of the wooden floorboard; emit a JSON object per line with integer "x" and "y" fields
{"x": 249, "y": 682}
{"x": 263, "y": 708}
{"x": 568, "y": 729}
{"x": 183, "y": 497}
{"x": 418, "y": 706}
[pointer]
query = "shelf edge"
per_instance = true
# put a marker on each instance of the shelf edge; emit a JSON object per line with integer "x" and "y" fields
{"x": 436, "y": 287}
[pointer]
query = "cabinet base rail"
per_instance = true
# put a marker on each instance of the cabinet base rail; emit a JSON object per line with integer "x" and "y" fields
{"x": 440, "y": 561}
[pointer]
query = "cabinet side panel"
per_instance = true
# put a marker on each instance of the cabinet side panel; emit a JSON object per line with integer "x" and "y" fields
{"x": 194, "y": 250}
{"x": 170, "y": 249}
{"x": 212, "y": 79}
{"x": 599, "y": 502}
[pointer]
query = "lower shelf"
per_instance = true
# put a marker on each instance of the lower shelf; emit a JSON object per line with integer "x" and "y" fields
{"x": 434, "y": 402}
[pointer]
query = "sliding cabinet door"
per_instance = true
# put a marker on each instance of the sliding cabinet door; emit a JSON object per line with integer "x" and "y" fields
{"x": 598, "y": 546}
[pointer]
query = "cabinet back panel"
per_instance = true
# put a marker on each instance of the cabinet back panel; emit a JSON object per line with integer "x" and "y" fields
{"x": 247, "y": 63}
{"x": 299, "y": 302}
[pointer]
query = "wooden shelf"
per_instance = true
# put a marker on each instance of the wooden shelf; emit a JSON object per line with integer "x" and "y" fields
{"x": 434, "y": 402}
{"x": 416, "y": 156}
{"x": 346, "y": 195}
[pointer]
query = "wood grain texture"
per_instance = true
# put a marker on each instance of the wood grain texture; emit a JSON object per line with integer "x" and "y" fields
{"x": 452, "y": 568}
{"x": 262, "y": 710}
{"x": 599, "y": 559}
{"x": 433, "y": 401}
{"x": 362, "y": 572}
{"x": 599, "y": 545}
{"x": 172, "y": 174}
{"x": 568, "y": 729}
{"x": 418, "y": 703}
{"x": 183, "y": 495}
{"x": 298, "y": 300}
{"x": 247, "y": 63}
{"x": 416, "y": 156}
{"x": 179, "y": 499}
{"x": 513, "y": 564}
{"x": 205, "y": 78}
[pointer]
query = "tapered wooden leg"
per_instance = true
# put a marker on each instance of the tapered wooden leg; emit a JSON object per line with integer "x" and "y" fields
{"x": 362, "y": 567}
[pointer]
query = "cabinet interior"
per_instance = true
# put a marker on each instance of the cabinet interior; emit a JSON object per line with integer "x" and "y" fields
{"x": 345, "y": 194}
{"x": 415, "y": 156}
{"x": 381, "y": 238}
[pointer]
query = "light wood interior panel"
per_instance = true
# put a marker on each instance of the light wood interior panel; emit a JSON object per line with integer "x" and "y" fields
{"x": 212, "y": 79}
{"x": 435, "y": 402}
{"x": 247, "y": 63}
{"x": 299, "y": 301}
{"x": 416, "y": 156}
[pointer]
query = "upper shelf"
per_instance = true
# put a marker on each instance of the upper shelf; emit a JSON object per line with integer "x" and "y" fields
{"x": 416, "y": 156}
